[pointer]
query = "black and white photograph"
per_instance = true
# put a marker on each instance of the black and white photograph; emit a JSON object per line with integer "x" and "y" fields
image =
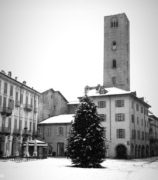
{"x": 78, "y": 89}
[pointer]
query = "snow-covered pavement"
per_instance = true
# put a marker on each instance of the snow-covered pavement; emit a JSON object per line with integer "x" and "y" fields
{"x": 60, "y": 168}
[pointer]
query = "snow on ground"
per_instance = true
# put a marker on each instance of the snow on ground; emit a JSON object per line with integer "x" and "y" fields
{"x": 60, "y": 168}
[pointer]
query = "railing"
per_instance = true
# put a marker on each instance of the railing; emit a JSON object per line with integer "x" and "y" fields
{"x": 17, "y": 131}
{"x": 6, "y": 130}
{"x": 28, "y": 107}
{"x": 27, "y": 132}
{"x": 7, "y": 111}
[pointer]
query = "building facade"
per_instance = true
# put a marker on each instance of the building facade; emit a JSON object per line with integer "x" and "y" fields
{"x": 55, "y": 131}
{"x": 18, "y": 114}
{"x": 116, "y": 52}
{"x": 125, "y": 119}
{"x": 52, "y": 103}
{"x": 153, "y": 134}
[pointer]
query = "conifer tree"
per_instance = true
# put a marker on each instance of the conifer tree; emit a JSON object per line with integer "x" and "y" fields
{"x": 86, "y": 142}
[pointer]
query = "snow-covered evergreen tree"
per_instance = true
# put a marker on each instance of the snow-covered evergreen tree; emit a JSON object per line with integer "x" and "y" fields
{"x": 86, "y": 143}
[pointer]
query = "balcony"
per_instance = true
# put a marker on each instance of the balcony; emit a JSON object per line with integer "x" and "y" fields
{"x": 17, "y": 132}
{"x": 6, "y": 130}
{"x": 28, "y": 107}
{"x": 27, "y": 132}
{"x": 17, "y": 103}
{"x": 6, "y": 111}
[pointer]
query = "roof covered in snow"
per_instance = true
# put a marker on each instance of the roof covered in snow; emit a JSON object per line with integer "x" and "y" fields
{"x": 107, "y": 91}
{"x": 113, "y": 91}
{"x": 64, "y": 118}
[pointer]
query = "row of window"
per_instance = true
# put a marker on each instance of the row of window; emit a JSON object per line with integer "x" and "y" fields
{"x": 6, "y": 123}
{"x": 121, "y": 103}
{"x": 16, "y": 95}
{"x": 118, "y": 103}
{"x": 17, "y": 103}
{"x": 143, "y": 122}
{"x": 10, "y": 102}
{"x": 140, "y": 108}
{"x": 121, "y": 117}
{"x": 60, "y": 131}
{"x": 6, "y": 88}
{"x": 114, "y": 23}
{"x": 118, "y": 117}
{"x": 139, "y": 135}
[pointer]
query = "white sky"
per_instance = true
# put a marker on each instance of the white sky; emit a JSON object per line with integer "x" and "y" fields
{"x": 59, "y": 43}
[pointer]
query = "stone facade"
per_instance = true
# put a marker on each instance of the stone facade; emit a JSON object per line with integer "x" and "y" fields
{"x": 116, "y": 52}
{"x": 18, "y": 114}
{"x": 52, "y": 103}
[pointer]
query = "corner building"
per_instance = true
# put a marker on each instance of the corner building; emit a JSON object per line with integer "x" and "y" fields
{"x": 116, "y": 52}
{"x": 18, "y": 114}
{"x": 125, "y": 119}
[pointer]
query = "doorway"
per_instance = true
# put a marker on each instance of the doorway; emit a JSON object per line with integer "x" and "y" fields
{"x": 121, "y": 151}
{"x": 60, "y": 149}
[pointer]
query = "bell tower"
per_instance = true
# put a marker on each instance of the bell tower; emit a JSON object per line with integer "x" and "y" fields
{"x": 116, "y": 52}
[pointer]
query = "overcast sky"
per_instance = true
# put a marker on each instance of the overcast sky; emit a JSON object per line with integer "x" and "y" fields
{"x": 59, "y": 43}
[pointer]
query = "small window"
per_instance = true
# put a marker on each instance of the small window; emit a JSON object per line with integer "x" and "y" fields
{"x": 5, "y": 88}
{"x": 9, "y": 123}
{"x": 30, "y": 126}
{"x": 138, "y": 134}
{"x": 114, "y": 64}
{"x": 101, "y": 104}
{"x": 119, "y": 103}
{"x": 120, "y": 133}
{"x": 114, "y": 22}
{"x": 60, "y": 131}
{"x": 119, "y": 117}
{"x": 11, "y": 90}
{"x": 4, "y": 102}
{"x": 20, "y": 124}
{"x": 133, "y": 134}
{"x": 137, "y": 107}
{"x": 114, "y": 47}
{"x": 132, "y": 118}
{"x": 142, "y": 109}
{"x": 103, "y": 117}
{"x": 21, "y": 98}
{"x": 25, "y": 123}
{"x": 15, "y": 124}
{"x": 114, "y": 80}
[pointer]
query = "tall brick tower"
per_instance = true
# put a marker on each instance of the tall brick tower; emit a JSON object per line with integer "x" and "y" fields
{"x": 116, "y": 52}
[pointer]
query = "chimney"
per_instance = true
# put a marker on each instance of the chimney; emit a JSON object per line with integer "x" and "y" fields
{"x": 24, "y": 82}
{"x": 2, "y": 71}
{"x": 9, "y": 73}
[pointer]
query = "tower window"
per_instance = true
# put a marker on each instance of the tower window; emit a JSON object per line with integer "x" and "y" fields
{"x": 114, "y": 63}
{"x": 114, "y": 23}
{"x": 114, "y": 80}
{"x": 114, "y": 45}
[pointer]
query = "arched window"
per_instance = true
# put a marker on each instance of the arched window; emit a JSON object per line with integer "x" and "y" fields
{"x": 114, "y": 22}
{"x": 114, "y": 46}
{"x": 114, "y": 65}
